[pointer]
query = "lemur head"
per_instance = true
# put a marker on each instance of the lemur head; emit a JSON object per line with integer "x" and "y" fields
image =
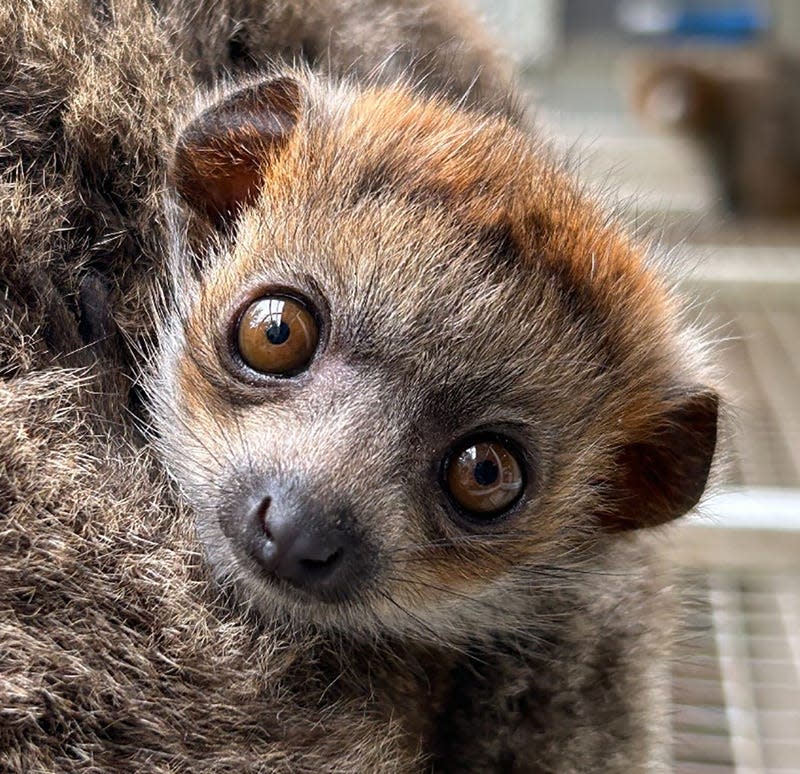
{"x": 415, "y": 364}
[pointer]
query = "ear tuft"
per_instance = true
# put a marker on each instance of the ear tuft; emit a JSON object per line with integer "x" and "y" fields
{"x": 664, "y": 476}
{"x": 220, "y": 157}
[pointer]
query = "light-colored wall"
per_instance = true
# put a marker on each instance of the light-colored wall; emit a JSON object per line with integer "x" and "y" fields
{"x": 787, "y": 23}
{"x": 531, "y": 29}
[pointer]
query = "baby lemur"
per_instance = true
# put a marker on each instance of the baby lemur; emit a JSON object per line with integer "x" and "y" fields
{"x": 116, "y": 652}
{"x": 742, "y": 110}
{"x": 420, "y": 389}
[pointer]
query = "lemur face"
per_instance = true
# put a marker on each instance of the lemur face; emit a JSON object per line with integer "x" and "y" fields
{"x": 414, "y": 369}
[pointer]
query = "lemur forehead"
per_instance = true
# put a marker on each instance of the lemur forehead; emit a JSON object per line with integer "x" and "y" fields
{"x": 484, "y": 171}
{"x": 468, "y": 183}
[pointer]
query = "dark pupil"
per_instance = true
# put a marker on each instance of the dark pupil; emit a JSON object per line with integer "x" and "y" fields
{"x": 486, "y": 472}
{"x": 278, "y": 332}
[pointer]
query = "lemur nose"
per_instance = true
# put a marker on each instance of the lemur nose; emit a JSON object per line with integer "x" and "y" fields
{"x": 298, "y": 546}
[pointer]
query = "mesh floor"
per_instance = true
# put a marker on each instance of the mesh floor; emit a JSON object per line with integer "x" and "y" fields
{"x": 736, "y": 675}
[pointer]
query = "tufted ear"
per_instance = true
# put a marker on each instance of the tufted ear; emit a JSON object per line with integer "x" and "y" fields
{"x": 664, "y": 475}
{"x": 221, "y": 155}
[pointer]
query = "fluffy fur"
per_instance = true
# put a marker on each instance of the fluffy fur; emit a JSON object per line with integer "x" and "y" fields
{"x": 115, "y": 653}
{"x": 118, "y": 652}
{"x": 466, "y": 284}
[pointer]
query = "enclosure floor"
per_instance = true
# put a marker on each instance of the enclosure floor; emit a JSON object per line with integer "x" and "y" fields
{"x": 736, "y": 671}
{"x": 736, "y": 675}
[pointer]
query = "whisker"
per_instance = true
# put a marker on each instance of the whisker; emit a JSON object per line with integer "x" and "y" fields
{"x": 432, "y": 633}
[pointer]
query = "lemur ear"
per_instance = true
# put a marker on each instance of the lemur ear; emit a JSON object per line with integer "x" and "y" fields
{"x": 220, "y": 157}
{"x": 663, "y": 476}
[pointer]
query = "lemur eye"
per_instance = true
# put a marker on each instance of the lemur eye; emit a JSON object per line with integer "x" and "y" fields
{"x": 484, "y": 478}
{"x": 277, "y": 335}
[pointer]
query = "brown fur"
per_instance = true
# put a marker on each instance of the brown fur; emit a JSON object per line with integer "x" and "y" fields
{"x": 116, "y": 654}
{"x": 743, "y": 112}
{"x": 541, "y": 646}
{"x": 465, "y": 282}
{"x": 439, "y": 44}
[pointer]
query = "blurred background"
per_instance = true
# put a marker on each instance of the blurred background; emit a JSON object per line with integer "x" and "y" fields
{"x": 686, "y": 113}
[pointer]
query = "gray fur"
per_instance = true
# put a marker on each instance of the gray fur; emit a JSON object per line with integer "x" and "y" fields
{"x": 553, "y": 632}
{"x": 117, "y": 650}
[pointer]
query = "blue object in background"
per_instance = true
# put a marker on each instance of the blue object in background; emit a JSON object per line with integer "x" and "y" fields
{"x": 735, "y": 24}
{"x": 722, "y": 22}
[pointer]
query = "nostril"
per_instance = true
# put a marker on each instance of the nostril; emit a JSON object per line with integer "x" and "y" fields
{"x": 261, "y": 516}
{"x": 322, "y": 564}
